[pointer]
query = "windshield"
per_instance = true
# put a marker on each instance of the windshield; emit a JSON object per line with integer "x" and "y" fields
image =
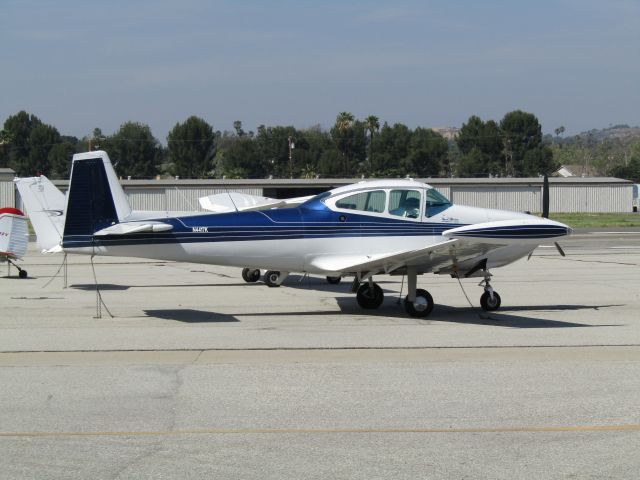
{"x": 436, "y": 202}
{"x": 436, "y": 199}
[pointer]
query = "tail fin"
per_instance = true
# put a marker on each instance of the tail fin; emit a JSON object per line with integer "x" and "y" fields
{"x": 95, "y": 199}
{"x": 44, "y": 204}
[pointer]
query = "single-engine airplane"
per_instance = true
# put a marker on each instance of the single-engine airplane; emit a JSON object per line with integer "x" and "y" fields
{"x": 397, "y": 227}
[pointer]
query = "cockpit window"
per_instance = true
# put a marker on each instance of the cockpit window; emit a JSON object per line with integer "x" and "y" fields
{"x": 404, "y": 203}
{"x": 373, "y": 201}
{"x": 436, "y": 202}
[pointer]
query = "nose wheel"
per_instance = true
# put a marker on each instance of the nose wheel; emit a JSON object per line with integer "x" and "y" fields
{"x": 490, "y": 300}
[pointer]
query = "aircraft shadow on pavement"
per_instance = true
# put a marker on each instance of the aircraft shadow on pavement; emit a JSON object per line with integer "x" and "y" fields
{"x": 112, "y": 286}
{"x": 102, "y": 286}
{"x": 444, "y": 313}
{"x": 188, "y": 315}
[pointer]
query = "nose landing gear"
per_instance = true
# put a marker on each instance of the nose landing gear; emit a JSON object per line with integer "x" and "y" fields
{"x": 490, "y": 300}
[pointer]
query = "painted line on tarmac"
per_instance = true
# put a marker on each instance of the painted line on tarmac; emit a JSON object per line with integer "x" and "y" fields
{"x": 347, "y": 348}
{"x": 310, "y": 431}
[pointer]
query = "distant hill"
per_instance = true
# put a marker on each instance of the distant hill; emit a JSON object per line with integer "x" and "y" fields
{"x": 624, "y": 133}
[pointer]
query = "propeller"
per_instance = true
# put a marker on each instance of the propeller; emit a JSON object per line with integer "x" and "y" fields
{"x": 545, "y": 211}
{"x": 545, "y": 196}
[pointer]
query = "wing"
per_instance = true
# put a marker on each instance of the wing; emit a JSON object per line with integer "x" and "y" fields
{"x": 243, "y": 202}
{"x": 444, "y": 257}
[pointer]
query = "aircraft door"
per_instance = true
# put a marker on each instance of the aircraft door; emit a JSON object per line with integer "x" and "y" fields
{"x": 406, "y": 203}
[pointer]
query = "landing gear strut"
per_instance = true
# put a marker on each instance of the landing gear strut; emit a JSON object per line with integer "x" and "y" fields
{"x": 490, "y": 300}
{"x": 418, "y": 303}
{"x": 21, "y": 272}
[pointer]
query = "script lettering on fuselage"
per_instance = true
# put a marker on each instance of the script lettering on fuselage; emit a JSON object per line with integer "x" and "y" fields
{"x": 200, "y": 229}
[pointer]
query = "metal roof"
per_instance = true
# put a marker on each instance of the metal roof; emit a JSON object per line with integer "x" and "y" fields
{"x": 330, "y": 183}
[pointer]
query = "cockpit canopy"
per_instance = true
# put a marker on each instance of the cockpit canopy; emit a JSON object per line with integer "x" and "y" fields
{"x": 406, "y": 202}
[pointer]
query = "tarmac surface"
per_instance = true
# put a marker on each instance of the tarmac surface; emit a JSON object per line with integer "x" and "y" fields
{"x": 198, "y": 374}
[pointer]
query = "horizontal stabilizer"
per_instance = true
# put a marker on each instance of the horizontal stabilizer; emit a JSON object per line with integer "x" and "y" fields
{"x": 127, "y": 228}
{"x": 45, "y": 206}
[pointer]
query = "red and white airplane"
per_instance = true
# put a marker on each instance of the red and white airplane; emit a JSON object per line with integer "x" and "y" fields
{"x": 14, "y": 237}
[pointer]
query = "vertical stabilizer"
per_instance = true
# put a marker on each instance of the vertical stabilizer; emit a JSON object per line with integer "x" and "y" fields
{"x": 44, "y": 204}
{"x": 95, "y": 200}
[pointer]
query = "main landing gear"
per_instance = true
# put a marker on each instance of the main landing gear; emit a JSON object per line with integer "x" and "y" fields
{"x": 272, "y": 278}
{"x": 369, "y": 295}
{"x": 418, "y": 303}
{"x": 250, "y": 275}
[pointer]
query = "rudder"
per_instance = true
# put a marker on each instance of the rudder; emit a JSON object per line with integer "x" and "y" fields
{"x": 95, "y": 200}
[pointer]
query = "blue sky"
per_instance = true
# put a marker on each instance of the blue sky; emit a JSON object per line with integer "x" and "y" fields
{"x": 79, "y": 65}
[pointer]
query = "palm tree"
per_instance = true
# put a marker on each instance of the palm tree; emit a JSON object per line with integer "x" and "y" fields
{"x": 344, "y": 126}
{"x": 372, "y": 124}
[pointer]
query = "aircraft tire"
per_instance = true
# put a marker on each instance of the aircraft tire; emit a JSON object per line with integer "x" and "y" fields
{"x": 368, "y": 298}
{"x": 423, "y": 305}
{"x": 22, "y": 274}
{"x": 488, "y": 305}
{"x": 271, "y": 278}
{"x": 250, "y": 275}
{"x": 334, "y": 280}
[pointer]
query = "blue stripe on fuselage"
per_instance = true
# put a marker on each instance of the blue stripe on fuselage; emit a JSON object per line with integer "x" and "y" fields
{"x": 282, "y": 224}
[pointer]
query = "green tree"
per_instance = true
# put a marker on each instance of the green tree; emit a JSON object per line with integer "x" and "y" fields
{"x": 483, "y": 138}
{"x": 392, "y": 150}
{"x": 191, "y": 147}
{"x": 472, "y": 163}
{"x": 242, "y": 160}
{"x": 41, "y": 141}
{"x": 134, "y": 151}
{"x": 17, "y": 131}
{"x": 60, "y": 157}
{"x": 314, "y": 143}
{"x": 631, "y": 169}
{"x": 427, "y": 153}
{"x": 349, "y": 136}
{"x": 273, "y": 146}
{"x": 372, "y": 124}
{"x": 522, "y": 133}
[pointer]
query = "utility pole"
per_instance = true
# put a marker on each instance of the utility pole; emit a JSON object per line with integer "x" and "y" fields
{"x": 291, "y": 147}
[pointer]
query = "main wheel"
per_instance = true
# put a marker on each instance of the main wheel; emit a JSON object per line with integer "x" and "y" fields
{"x": 488, "y": 304}
{"x": 369, "y": 298}
{"x": 271, "y": 278}
{"x": 22, "y": 274}
{"x": 334, "y": 280}
{"x": 250, "y": 275}
{"x": 422, "y": 306}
